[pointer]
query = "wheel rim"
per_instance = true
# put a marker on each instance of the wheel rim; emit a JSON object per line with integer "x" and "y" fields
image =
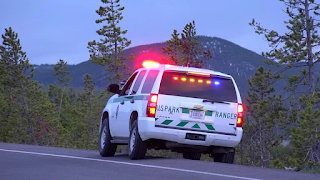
{"x": 103, "y": 137}
{"x": 132, "y": 139}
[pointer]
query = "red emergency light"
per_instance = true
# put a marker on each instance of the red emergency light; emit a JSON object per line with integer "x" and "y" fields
{"x": 150, "y": 64}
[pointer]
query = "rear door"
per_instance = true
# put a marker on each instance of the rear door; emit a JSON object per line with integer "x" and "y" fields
{"x": 197, "y": 102}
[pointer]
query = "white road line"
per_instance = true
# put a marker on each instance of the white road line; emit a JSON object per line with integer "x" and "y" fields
{"x": 132, "y": 164}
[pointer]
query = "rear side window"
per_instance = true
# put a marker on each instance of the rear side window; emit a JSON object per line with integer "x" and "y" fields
{"x": 138, "y": 82}
{"x": 149, "y": 82}
{"x": 211, "y": 88}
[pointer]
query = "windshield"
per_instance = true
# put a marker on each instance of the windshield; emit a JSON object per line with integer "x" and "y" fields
{"x": 211, "y": 88}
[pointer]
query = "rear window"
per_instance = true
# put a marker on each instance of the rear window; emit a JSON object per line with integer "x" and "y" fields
{"x": 212, "y": 88}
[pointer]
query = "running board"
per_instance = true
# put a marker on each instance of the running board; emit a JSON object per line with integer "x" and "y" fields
{"x": 119, "y": 141}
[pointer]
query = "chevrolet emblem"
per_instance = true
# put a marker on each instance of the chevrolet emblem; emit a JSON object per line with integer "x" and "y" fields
{"x": 198, "y": 106}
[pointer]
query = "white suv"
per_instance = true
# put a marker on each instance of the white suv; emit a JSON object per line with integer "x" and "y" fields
{"x": 183, "y": 109}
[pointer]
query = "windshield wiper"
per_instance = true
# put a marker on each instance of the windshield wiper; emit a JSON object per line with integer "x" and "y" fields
{"x": 213, "y": 101}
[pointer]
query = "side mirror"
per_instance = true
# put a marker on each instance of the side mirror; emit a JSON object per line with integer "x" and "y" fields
{"x": 114, "y": 88}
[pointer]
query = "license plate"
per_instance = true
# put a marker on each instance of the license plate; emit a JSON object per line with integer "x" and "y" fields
{"x": 196, "y": 114}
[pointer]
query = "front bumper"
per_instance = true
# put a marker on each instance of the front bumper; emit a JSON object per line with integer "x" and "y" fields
{"x": 147, "y": 130}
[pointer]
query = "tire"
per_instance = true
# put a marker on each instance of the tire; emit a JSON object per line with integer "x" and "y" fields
{"x": 106, "y": 148}
{"x": 225, "y": 157}
{"x": 136, "y": 148}
{"x": 192, "y": 156}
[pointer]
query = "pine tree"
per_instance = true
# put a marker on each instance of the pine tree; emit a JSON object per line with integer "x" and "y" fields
{"x": 90, "y": 114}
{"x": 297, "y": 48}
{"x": 16, "y": 64}
{"x": 61, "y": 71}
{"x": 265, "y": 112}
{"x": 18, "y": 90}
{"x": 109, "y": 52}
{"x": 173, "y": 49}
{"x": 305, "y": 133}
{"x": 187, "y": 50}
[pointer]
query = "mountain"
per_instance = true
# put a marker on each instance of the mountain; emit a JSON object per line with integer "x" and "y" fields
{"x": 227, "y": 57}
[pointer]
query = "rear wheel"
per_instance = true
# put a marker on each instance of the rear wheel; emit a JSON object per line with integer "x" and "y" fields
{"x": 192, "y": 156}
{"x": 224, "y": 157}
{"x": 137, "y": 148}
{"x": 106, "y": 148}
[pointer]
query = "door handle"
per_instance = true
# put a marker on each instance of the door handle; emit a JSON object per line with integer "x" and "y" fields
{"x": 132, "y": 101}
{"x": 122, "y": 102}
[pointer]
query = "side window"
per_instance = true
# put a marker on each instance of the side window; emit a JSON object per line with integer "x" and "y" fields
{"x": 138, "y": 82}
{"x": 125, "y": 90}
{"x": 149, "y": 82}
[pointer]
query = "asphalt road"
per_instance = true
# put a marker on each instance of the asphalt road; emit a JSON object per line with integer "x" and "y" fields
{"x": 26, "y": 162}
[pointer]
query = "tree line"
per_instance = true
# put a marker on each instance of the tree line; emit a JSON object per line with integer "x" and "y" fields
{"x": 60, "y": 117}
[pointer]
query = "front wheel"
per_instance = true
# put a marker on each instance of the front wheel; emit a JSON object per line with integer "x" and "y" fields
{"x": 137, "y": 148}
{"x": 106, "y": 148}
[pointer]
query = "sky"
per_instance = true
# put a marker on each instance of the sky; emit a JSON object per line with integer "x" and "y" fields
{"x": 60, "y": 29}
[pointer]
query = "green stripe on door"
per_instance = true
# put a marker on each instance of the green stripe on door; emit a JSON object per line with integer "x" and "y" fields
{"x": 128, "y": 98}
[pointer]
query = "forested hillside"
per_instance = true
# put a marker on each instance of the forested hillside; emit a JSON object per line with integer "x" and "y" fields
{"x": 227, "y": 57}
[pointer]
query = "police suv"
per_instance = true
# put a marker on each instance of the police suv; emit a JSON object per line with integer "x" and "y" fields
{"x": 187, "y": 110}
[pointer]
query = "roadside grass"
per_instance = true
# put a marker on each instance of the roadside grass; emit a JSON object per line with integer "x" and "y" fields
{"x": 312, "y": 171}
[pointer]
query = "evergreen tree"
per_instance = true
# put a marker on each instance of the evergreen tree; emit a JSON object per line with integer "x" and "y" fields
{"x": 16, "y": 68}
{"x": 297, "y": 48}
{"x": 61, "y": 71}
{"x": 109, "y": 52}
{"x": 306, "y": 135}
{"x": 173, "y": 49}
{"x": 25, "y": 104}
{"x": 187, "y": 50}
{"x": 90, "y": 114}
{"x": 265, "y": 113}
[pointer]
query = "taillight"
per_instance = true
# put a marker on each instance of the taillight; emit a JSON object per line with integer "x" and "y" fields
{"x": 152, "y": 105}
{"x": 240, "y": 115}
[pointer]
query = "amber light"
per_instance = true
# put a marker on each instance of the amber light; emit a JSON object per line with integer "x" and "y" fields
{"x": 183, "y": 79}
{"x": 239, "y": 121}
{"x": 200, "y": 81}
{"x": 152, "y": 110}
{"x": 208, "y": 82}
{"x": 192, "y": 80}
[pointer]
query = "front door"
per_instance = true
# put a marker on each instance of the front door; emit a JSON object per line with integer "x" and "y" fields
{"x": 123, "y": 109}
